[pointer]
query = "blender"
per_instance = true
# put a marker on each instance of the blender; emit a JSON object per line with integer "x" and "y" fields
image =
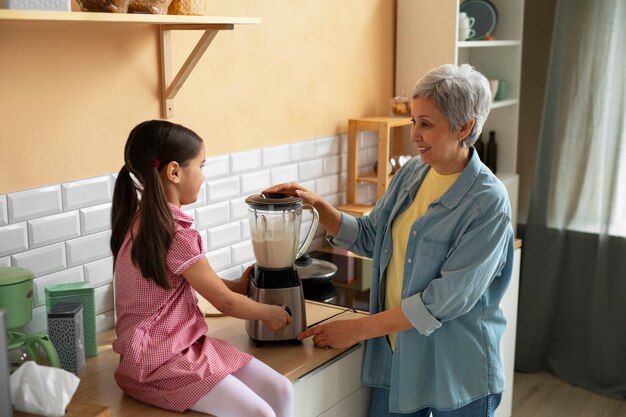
{"x": 275, "y": 220}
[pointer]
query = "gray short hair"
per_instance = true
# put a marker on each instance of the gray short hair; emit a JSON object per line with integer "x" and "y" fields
{"x": 461, "y": 93}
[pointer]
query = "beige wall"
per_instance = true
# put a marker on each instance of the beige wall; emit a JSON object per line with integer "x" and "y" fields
{"x": 73, "y": 91}
{"x": 538, "y": 26}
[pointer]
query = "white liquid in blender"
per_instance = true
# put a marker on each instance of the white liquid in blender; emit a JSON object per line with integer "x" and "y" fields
{"x": 275, "y": 252}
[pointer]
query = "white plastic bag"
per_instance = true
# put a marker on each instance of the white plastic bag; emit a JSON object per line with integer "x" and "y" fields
{"x": 42, "y": 390}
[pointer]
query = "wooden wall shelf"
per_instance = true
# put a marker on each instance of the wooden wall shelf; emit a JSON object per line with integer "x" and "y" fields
{"x": 164, "y": 24}
{"x": 386, "y": 128}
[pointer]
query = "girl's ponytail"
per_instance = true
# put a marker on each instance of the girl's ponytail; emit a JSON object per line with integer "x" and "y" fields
{"x": 124, "y": 208}
{"x": 156, "y": 228}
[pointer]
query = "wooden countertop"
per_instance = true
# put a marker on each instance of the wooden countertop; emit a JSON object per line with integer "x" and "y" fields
{"x": 98, "y": 388}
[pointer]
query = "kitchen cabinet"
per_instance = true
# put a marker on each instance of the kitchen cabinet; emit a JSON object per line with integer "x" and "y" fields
{"x": 311, "y": 370}
{"x": 334, "y": 389}
{"x": 426, "y": 37}
{"x": 507, "y": 343}
{"x": 169, "y": 84}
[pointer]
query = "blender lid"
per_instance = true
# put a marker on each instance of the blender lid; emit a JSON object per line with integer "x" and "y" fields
{"x": 273, "y": 201}
{"x": 12, "y": 275}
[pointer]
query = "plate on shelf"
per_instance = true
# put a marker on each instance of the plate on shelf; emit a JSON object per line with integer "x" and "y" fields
{"x": 485, "y": 17}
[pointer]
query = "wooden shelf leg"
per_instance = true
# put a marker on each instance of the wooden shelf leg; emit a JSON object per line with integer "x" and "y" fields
{"x": 383, "y": 159}
{"x": 353, "y": 161}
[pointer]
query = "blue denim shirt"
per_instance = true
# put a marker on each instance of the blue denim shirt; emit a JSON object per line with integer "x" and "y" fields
{"x": 458, "y": 265}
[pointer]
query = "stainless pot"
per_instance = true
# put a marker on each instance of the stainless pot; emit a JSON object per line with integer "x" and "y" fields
{"x": 314, "y": 271}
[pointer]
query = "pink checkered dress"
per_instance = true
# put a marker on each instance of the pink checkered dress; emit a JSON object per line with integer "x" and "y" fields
{"x": 166, "y": 359}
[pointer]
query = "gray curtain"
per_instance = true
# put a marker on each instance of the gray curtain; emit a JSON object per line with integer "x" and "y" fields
{"x": 572, "y": 314}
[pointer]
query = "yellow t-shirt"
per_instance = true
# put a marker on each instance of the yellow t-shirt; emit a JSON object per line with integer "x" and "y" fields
{"x": 433, "y": 187}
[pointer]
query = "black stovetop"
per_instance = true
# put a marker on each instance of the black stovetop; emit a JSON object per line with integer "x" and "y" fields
{"x": 337, "y": 294}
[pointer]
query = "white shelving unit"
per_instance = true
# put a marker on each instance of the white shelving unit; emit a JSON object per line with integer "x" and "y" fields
{"x": 426, "y": 37}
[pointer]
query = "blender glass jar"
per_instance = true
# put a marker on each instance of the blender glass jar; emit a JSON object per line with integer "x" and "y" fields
{"x": 275, "y": 221}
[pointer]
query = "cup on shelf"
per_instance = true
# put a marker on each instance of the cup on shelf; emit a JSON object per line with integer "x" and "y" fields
{"x": 466, "y": 23}
{"x": 494, "y": 86}
{"x": 501, "y": 91}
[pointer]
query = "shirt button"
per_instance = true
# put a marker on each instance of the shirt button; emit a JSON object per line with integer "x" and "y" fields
{"x": 409, "y": 260}
{"x": 386, "y": 250}
{"x": 414, "y": 232}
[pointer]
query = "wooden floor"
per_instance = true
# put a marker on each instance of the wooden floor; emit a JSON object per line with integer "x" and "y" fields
{"x": 544, "y": 395}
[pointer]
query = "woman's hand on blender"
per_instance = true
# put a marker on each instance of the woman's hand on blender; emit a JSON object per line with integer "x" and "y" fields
{"x": 296, "y": 190}
{"x": 277, "y": 317}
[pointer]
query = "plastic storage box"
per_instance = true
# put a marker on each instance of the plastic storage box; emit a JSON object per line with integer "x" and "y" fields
{"x": 58, "y": 5}
{"x": 81, "y": 292}
{"x": 65, "y": 328}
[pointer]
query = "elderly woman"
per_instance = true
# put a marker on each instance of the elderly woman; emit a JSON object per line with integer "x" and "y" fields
{"x": 441, "y": 241}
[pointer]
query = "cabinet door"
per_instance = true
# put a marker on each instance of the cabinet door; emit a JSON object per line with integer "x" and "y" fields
{"x": 328, "y": 385}
{"x": 507, "y": 344}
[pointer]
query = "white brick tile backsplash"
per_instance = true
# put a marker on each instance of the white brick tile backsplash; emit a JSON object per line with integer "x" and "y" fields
{"x": 310, "y": 185}
{"x": 301, "y": 151}
{"x": 332, "y": 165}
{"x": 212, "y": 215}
{"x": 104, "y": 298}
{"x": 29, "y": 204}
{"x": 245, "y": 161}
{"x": 241, "y": 253}
{"x": 42, "y": 261}
{"x": 336, "y": 199}
{"x": 204, "y": 237}
{"x": 100, "y": 272}
{"x": 310, "y": 170}
{"x": 245, "y": 229}
{"x": 61, "y": 232}
{"x": 327, "y": 185}
{"x": 201, "y": 199}
{"x": 343, "y": 181}
{"x": 51, "y": 229}
{"x": 287, "y": 173}
{"x": 4, "y": 215}
{"x": 105, "y": 321}
{"x": 368, "y": 139}
{"x": 85, "y": 193}
{"x": 238, "y": 208}
{"x": 61, "y": 277}
{"x": 13, "y": 239}
{"x": 219, "y": 259}
{"x": 343, "y": 143}
{"x": 223, "y": 189}
{"x": 88, "y": 248}
{"x": 216, "y": 167}
{"x": 344, "y": 162}
{"x": 223, "y": 235}
{"x": 231, "y": 273}
{"x": 275, "y": 155}
{"x": 327, "y": 146}
{"x": 95, "y": 219}
{"x": 39, "y": 321}
{"x": 255, "y": 182}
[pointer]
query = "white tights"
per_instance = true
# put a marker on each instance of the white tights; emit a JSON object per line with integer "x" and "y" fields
{"x": 254, "y": 390}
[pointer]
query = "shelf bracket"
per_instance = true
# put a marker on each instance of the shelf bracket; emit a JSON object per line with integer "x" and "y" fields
{"x": 170, "y": 85}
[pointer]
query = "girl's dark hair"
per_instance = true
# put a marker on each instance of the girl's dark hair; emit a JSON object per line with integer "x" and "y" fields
{"x": 150, "y": 147}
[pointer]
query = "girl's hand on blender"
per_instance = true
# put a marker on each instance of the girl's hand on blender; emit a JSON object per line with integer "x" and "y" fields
{"x": 296, "y": 190}
{"x": 277, "y": 317}
{"x": 243, "y": 282}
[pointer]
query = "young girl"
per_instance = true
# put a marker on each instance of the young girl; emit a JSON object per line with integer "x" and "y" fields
{"x": 166, "y": 359}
